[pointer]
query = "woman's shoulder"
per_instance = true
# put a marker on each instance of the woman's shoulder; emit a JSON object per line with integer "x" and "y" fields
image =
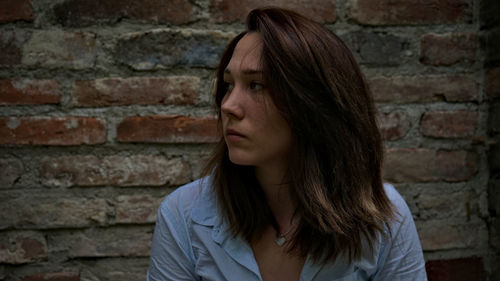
{"x": 400, "y": 255}
{"x": 397, "y": 200}
{"x": 402, "y": 226}
{"x": 189, "y": 201}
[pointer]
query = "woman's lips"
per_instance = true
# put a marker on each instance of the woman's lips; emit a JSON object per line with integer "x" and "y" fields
{"x": 234, "y": 136}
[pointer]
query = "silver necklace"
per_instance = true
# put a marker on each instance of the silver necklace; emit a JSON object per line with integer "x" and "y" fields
{"x": 281, "y": 239}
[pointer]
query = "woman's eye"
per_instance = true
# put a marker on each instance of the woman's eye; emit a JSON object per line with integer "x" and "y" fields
{"x": 229, "y": 86}
{"x": 256, "y": 86}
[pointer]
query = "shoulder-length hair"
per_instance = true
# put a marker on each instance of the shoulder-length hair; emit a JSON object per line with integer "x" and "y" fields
{"x": 335, "y": 171}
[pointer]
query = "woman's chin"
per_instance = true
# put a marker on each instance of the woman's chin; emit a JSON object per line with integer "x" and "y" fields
{"x": 240, "y": 160}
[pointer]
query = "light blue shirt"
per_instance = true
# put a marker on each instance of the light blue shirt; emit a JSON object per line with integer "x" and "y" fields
{"x": 192, "y": 242}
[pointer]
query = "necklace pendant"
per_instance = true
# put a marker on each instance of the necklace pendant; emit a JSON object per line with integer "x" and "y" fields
{"x": 280, "y": 240}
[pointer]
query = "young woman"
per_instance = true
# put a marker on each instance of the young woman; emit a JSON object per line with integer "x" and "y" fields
{"x": 294, "y": 188}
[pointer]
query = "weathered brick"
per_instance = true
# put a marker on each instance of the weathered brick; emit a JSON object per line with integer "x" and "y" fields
{"x": 117, "y": 170}
{"x": 51, "y": 212}
{"x": 494, "y": 119}
{"x": 225, "y": 11}
{"x": 448, "y": 49}
{"x": 444, "y": 205}
{"x": 444, "y": 235}
{"x": 10, "y": 171}
{"x": 51, "y": 130}
{"x": 60, "y": 49}
{"x": 104, "y": 242}
{"x": 137, "y": 208}
{"x": 53, "y": 276}
{"x": 492, "y": 45}
{"x": 492, "y": 83}
{"x": 495, "y": 233}
{"x": 495, "y": 267}
{"x": 11, "y": 44}
{"x": 16, "y": 10}
{"x": 3, "y": 273}
{"x": 408, "y": 89}
{"x": 198, "y": 163}
{"x": 78, "y": 13}
{"x": 488, "y": 15}
{"x": 114, "y": 269}
{"x": 494, "y": 158}
{"x": 167, "y": 129}
{"x": 29, "y": 91}
{"x": 411, "y": 12}
{"x": 449, "y": 124}
{"x": 494, "y": 196}
{"x": 463, "y": 269}
{"x": 376, "y": 49}
{"x": 22, "y": 247}
{"x": 428, "y": 165}
{"x": 136, "y": 90}
{"x": 394, "y": 125}
{"x": 165, "y": 48}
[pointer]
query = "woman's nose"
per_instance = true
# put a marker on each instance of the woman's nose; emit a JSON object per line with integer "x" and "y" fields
{"x": 232, "y": 104}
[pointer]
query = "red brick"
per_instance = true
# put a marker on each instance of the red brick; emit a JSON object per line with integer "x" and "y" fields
{"x": 446, "y": 235}
{"x": 16, "y": 10}
{"x": 51, "y": 212}
{"x": 11, "y": 44}
{"x": 448, "y": 49}
{"x": 167, "y": 129}
{"x": 224, "y": 11}
{"x": 54, "y": 276}
{"x": 51, "y": 130}
{"x": 60, "y": 49}
{"x": 428, "y": 165}
{"x": 492, "y": 83}
{"x": 10, "y": 171}
{"x": 129, "y": 241}
{"x": 137, "y": 208}
{"x": 136, "y": 90}
{"x": 136, "y": 170}
{"x": 394, "y": 125}
{"x": 411, "y": 12}
{"x": 89, "y": 12}
{"x": 463, "y": 269}
{"x": 449, "y": 124}
{"x": 29, "y": 91}
{"x": 409, "y": 89}
{"x": 22, "y": 247}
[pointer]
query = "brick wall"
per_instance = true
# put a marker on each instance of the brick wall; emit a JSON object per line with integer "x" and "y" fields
{"x": 490, "y": 39}
{"x": 105, "y": 109}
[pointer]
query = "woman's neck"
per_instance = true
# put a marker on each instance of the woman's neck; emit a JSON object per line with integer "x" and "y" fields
{"x": 272, "y": 180}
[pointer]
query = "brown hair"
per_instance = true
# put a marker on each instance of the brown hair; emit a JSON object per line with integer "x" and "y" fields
{"x": 335, "y": 173}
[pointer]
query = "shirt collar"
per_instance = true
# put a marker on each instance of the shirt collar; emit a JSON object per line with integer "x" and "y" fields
{"x": 206, "y": 212}
{"x": 205, "y": 208}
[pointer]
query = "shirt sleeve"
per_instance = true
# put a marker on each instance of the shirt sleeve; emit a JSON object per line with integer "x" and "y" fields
{"x": 401, "y": 257}
{"x": 171, "y": 252}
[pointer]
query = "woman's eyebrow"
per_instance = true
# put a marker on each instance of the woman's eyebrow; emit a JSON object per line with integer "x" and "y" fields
{"x": 249, "y": 71}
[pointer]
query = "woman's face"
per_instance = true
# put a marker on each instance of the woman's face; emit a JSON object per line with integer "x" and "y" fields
{"x": 255, "y": 132}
